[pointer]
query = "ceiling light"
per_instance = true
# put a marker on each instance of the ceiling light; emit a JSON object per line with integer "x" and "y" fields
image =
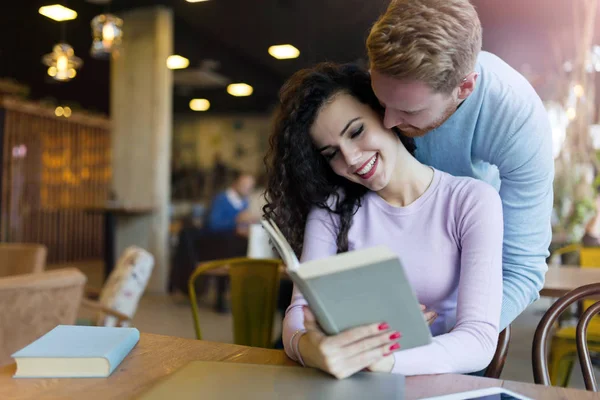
{"x": 58, "y": 12}
{"x": 59, "y": 111}
{"x": 284, "y": 51}
{"x": 62, "y": 63}
{"x": 67, "y": 112}
{"x": 195, "y": 1}
{"x": 177, "y": 62}
{"x": 239, "y": 89}
{"x": 107, "y": 32}
{"x": 199, "y": 104}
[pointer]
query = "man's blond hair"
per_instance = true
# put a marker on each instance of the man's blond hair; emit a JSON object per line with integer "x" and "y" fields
{"x": 433, "y": 41}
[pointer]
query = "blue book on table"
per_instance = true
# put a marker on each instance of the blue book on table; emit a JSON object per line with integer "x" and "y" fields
{"x": 70, "y": 351}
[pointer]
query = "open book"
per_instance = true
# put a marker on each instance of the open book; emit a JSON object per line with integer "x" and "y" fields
{"x": 356, "y": 288}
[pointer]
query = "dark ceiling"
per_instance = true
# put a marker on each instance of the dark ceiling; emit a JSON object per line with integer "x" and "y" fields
{"x": 237, "y": 33}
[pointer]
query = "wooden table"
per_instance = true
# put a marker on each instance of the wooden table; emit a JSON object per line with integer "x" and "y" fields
{"x": 564, "y": 278}
{"x": 156, "y": 356}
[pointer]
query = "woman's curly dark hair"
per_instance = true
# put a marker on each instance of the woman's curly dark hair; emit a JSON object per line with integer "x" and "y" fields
{"x": 299, "y": 177}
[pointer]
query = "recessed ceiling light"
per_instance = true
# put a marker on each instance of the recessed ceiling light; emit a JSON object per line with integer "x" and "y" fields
{"x": 239, "y": 89}
{"x": 58, "y": 12}
{"x": 199, "y": 104}
{"x": 195, "y": 1}
{"x": 177, "y": 62}
{"x": 284, "y": 51}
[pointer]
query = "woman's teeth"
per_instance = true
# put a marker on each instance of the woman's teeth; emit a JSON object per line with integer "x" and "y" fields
{"x": 367, "y": 168}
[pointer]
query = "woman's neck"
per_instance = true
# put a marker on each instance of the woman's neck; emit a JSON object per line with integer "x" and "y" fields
{"x": 409, "y": 180}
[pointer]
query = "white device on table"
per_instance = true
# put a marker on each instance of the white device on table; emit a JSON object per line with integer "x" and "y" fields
{"x": 493, "y": 393}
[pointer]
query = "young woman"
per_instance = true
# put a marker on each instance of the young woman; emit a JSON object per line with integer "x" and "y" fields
{"x": 338, "y": 181}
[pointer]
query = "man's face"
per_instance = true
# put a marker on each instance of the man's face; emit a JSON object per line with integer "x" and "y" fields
{"x": 244, "y": 185}
{"x": 412, "y": 106}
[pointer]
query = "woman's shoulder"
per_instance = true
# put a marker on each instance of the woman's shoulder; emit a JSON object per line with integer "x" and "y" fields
{"x": 467, "y": 191}
{"x": 326, "y": 210}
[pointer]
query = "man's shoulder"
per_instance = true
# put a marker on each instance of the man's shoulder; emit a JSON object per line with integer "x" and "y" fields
{"x": 504, "y": 85}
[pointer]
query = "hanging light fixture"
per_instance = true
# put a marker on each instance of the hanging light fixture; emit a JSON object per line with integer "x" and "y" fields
{"x": 62, "y": 63}
{"x": 107, "y": 32}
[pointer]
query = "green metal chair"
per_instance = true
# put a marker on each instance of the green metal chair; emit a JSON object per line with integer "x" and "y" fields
{"x": 254, "y": 290}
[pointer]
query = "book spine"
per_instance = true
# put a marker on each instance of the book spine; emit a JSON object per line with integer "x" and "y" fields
{"x": 116, "y": 355}
{"x": 315, "y": 305}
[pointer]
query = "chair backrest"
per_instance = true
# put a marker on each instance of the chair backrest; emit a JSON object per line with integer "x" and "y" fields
{"x": 22, "y": 258}
{"x": 33, "y": 304}
{"x": 540, "y": 339}
{"x": 494, "y": 370}
{"x": 254, "y": 291}
{"x": 201, "y": 245}
{"x": 126, "y": 285}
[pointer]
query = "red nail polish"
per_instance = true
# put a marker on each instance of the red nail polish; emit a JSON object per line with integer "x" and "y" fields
{"x": 384, "y": 326}
{"x": 395, "y": 335}
{"x": 395, "y": 346}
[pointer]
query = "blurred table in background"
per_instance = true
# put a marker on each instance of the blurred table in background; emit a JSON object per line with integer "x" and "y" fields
{"x": 110, "y": 214}
{"x": 561, "y": 279}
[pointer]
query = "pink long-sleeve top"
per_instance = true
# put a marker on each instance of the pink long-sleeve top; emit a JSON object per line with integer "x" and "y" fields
{"x": 450, "y": 243}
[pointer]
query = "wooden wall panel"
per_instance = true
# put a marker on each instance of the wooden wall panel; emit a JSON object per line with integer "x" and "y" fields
{"x": 53, "y": 168}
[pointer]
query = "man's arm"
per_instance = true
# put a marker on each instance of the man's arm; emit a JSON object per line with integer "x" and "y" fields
{"x": 526, "y": 169}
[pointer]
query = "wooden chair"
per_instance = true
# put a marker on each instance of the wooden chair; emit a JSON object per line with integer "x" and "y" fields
{"x": 563, "y": 346}
{"x": 254, "y": 290}
{"x": 494, "y": 370}
{"x": 540, "y": 366}
{"x": 33, "y": 304}
{"x": 22, "y": 258}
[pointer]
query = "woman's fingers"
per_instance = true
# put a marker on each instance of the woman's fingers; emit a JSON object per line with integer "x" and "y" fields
{"x": 365, "y": 345}
{"x": 344, "y": 368}
{"x": 358, "y": 334}
{"x": 430, "y": 316}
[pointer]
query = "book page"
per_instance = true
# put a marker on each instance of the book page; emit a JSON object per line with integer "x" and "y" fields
{"x": 281, "y": 244}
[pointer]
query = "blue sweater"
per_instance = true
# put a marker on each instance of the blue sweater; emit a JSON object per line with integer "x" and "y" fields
{"x": 501, "y": 134}
{"x": 222, "y": 214}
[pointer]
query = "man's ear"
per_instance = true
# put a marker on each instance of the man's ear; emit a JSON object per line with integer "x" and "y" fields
{"x": 467, "y": 86}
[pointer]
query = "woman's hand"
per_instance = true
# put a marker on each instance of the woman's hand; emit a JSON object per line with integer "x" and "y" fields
{"x": 430, "y": 316}
{"x": 351, "y": 351}
{"x": 387, "y": 364}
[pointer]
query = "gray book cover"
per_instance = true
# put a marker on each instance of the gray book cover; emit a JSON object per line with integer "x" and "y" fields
{"x": 371, "y": 293}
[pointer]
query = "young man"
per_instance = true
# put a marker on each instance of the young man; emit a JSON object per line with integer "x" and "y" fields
{"x": 227, "y": 206}
{"x": 471, "y": 115}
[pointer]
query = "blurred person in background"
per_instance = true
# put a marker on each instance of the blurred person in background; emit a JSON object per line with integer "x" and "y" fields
{"x": 256, "y": 201}
{"x": 227, "y": 206}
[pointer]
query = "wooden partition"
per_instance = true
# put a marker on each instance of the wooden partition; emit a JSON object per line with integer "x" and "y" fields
{"x": 53, "y": 168}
